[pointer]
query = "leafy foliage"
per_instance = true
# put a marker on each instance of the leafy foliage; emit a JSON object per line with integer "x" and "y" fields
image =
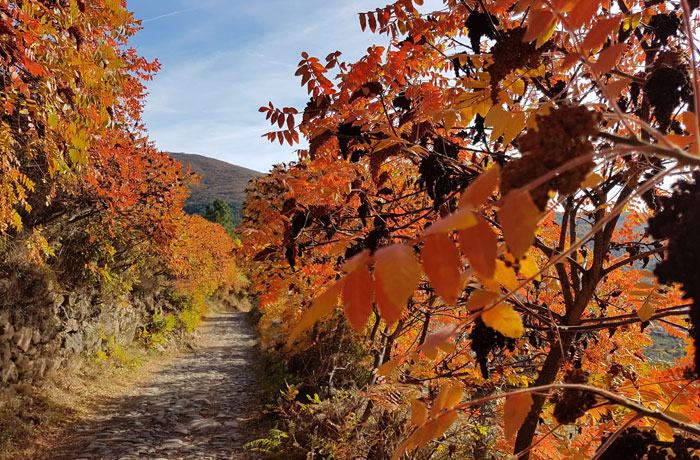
{"x": 441, "y": 201}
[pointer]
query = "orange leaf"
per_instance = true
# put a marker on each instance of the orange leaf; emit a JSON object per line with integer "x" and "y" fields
{"x": 463, "y": 218}
{"x": 515, "y": 411}
{"x": 419, "y": 414}
{"x": 608, "y": 57}
{"x": 600, "y": 32}
{"x": 387, "y": 367}
{"x": 358, "y": 296}
{"x": 503, "y": 319}
{"x": 454, "y": 396}
{"x": 539, "y": 23}
{"x": 356, "y": 261}
{"x": 615, "y": 87}
{"x": 482, "y": 188}
{"x": 582, "y": 13}
{"x": 518, "y": 218}
{"x": 434, "y": 340}
{"x": 398, "y": 271}
{"x": 390, "y": 312}
{"x": 440, "y": 399}
{"x": 321, "y": 306}
{"x": 479, "y": 244}
{"x": 480, "y": 299}
{"x": 441, "y": 264}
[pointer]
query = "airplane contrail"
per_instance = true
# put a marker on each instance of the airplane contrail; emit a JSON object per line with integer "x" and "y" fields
{"x": 173, "y": 13}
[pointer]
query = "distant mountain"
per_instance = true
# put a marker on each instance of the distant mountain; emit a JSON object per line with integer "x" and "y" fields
{"x": 219, "y": 180}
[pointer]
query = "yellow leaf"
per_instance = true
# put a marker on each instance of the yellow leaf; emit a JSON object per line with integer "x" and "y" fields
{"x": 321, "y": 306}
{"x": 506, "y": 275}
{"x": 515, "y": 411}
{"x": 399, "y": 273}
{"x": 460, "y": 220}
{"x": 498, "y": 120}
{"x": 515, "y": 126}
{"x": 646, "y": 312}
{"x": 503, "y": 319}
{"x": 441, "y": 264}
{"x": 482, "y": 188}
{"x": 529, "y": 268}
{"x": 419, "y": 414}
{"x": 387, "y": 367}
{"x": 518, "y": 218}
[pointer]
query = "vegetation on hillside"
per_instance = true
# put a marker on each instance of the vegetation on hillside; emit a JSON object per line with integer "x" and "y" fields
{"x": 474, "y": 322}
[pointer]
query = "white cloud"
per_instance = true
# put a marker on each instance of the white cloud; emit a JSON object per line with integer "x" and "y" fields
{"x": 228, "y": 61}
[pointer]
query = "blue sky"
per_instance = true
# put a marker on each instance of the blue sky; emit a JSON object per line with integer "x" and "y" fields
{"x": 223, "y": 59}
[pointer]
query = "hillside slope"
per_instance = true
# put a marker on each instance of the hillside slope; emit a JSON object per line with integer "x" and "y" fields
{"x": 219, "y": 180}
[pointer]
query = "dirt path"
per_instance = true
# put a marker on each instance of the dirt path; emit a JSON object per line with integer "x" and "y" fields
{"x": 192, "y": 408}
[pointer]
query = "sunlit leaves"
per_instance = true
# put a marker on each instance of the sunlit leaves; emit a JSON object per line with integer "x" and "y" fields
{"x": 504, "y": 319}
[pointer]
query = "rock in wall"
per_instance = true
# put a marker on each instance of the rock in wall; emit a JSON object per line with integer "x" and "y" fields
{"x": 42, "y": 327}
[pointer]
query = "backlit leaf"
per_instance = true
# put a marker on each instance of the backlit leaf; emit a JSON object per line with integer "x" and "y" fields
{"x": 321, "y": 306}
{"x": 646, "y": 312}
{"x": 387, "y": 367}
{"x": 515, "y": 411}
{"x": 480, "y": 299}
{"x": 540, "y": 21}
{"x": 503, "y": 319}
{"x": 600, "y": 32}
{"x": 398, "y": 271}
{"x": 463, "y": 218}
{"x": 419, "y": 413}
{"x": 518, "y": 218}
{"x": 441, "y": 264}
{"x": 479, "y": 244}
{"x": 481, "y": 189}
{"x": 358, "y": 296}
{"x": 506, "y": 275}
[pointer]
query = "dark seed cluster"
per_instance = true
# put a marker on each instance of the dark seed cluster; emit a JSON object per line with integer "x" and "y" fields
{"x": 572, "y": 404}
{"x": 510, "y": 53}
{"x": 679, "y": 222}
{"x": 637, "y": 444}
{"x": 559, "y": 137}
{"x": 486, "y": 340}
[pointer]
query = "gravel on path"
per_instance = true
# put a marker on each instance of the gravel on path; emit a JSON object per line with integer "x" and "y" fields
{"x": 192, "y": 409}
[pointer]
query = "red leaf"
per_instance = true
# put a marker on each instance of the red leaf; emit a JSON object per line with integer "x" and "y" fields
{"x": 358, "y": 296}
{"x": 441, "y": 264}
{"x": 480, "y": 246}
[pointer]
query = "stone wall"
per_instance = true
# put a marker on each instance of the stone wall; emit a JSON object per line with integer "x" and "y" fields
{"x": 42, "y": 327}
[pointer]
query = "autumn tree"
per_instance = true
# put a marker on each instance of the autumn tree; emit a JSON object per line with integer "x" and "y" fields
{"x": 83, "y": 191}
{"x": 488, "y": 197}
